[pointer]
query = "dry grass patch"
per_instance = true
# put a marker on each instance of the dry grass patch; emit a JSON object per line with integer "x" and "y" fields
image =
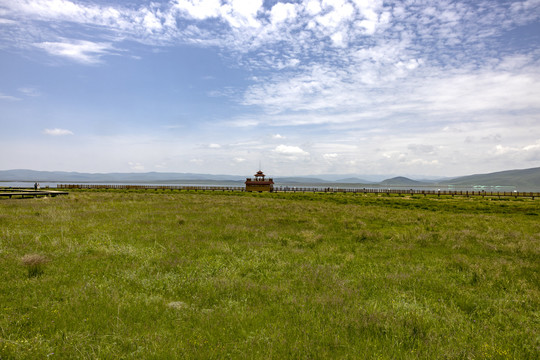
{"x": 34, "y": 263}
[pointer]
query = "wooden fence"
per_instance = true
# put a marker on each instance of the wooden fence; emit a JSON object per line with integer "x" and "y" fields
{"x": 151, "y": 187}
{"x": 295, "y": 189}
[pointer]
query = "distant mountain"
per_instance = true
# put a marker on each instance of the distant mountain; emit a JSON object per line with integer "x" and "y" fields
{"x": 62, "y": 176}
{"x": 362, "y": 178}
{"x": 401, "y": 181}
{"x": 299, "y": 180}
{"x": 353, "y": 180}
{"x": 525, "y": 178}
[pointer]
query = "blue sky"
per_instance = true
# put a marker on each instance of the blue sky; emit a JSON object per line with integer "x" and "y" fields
{"x": 411, "y": 87}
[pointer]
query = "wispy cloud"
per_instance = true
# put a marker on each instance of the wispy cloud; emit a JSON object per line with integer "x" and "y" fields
{"x": 86, "y": 52}
{"x": 429, "y": 91}
{"x": 57, "y": 132}
{"x": 29, "y": 91}
{"x": 8, "y": 97}
{"x": 7, "y": 22}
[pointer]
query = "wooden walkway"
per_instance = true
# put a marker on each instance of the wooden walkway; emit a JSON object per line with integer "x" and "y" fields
{"x": 27, "y": 193}
{"x": 293, "y": 189}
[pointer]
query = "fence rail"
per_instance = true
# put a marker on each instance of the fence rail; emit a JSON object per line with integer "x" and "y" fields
{"x": 151, "y": 187}
{"x": 295, "y": 189}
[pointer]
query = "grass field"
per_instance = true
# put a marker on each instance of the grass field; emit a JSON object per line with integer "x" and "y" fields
{"x": 127, "y": 274}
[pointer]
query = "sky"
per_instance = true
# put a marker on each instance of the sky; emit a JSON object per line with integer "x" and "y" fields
{"x": 406, "y": 87}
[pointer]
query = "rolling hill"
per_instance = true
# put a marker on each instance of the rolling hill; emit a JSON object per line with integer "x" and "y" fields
{"x": 520, "y": 178}
{"x": 401, "y": 181}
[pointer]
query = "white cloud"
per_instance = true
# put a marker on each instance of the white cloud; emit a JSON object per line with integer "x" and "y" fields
{"x": 314, "y": 25}
{"x": 533, "y": 147}
{"x": 57, "y": 132}
{"x": 50, "y": 9}
{"x": 482, "y": 90}
{"x": 338, "y": 39}
{"x": 422, "y": 162}
{"x": 241, "y": 13}
{"x": 500, "y": 149}
{"x": 340, "y": 13}
{"x": 214, "y": 146}
{"x": 289, "y": 150}
{"x": 362, "y": 91}
{"x": 199, "y": 9}
{"x": 282, "y": 12}
{"x": 82, "y": 51}
{"x": 29, "y": 91}
{"x": 529, "y": 152}
{"x": 312, "y": 7}
{"x": 136, "y": 166}
{"x": 331, "y": 156}
{"x": 422, "y": 149}
{"x": 65, "y": 10}
{"x": 150, "y": 21}
{"x": 7, "y": 22}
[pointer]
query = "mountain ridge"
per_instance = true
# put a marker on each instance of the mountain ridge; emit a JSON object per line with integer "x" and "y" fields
{"x": 519, "y": 177}
{"x": 401, "y": 180}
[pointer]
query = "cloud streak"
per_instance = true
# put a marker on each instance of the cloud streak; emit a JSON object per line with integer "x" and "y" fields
{"x": 82, "y": 51}
{"x": 8, "y": 97}
{"x": 57, "y": 132}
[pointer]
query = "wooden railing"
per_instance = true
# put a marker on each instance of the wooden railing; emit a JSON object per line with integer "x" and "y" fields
{"x": 151, "y": 187}
{"x": 466, "y": 193}
{"x": 296, "y": 189}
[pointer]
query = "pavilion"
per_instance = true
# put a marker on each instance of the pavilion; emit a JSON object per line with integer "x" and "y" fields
{"x": 259, "y": 184}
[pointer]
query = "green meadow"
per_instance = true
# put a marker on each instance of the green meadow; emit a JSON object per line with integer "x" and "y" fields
{"x": 169, "y": 274}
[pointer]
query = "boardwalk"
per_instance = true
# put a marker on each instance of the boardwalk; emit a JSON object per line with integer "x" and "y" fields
{"x": 293, "y": 189}
{"x": 26, "y": 193}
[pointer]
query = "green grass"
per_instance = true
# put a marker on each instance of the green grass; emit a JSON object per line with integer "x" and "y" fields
{"x": 162, "y": 274}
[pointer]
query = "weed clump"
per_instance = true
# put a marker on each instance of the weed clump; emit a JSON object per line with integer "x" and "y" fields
{"x": 34, "y": 263}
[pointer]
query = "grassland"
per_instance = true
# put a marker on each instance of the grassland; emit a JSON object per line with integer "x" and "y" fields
{"x": 268, "y": 276}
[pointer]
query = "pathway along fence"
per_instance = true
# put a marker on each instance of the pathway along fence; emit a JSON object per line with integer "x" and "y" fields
{"x": 295, "y": 189}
